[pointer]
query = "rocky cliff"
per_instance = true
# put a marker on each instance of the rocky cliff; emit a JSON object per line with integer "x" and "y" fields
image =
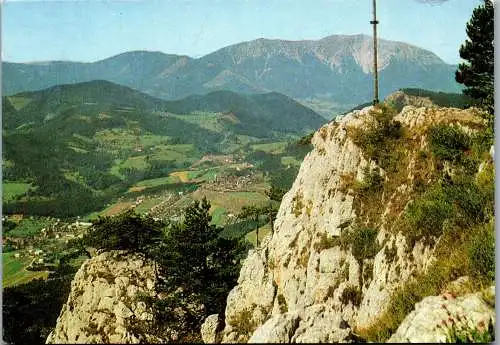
{"x": 103, "y": 305}
{"x": 338, "y": 252}
{"x": 384, "y": 235}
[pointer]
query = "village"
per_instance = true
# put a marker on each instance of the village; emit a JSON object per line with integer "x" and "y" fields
{"x": 44, "y": 249}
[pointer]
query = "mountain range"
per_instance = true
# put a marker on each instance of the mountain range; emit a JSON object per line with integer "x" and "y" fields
{"x": 257, "y": 115}
{"x": 329, "y": 75}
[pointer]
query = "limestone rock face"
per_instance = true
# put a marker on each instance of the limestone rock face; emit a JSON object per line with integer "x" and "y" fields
{"x": 209, "y": 329}
{"x": 435, "y": 316}
{"x": 103, "y": 306}
{"x": 278, "y": 329}
{"x": 302, "y": 286}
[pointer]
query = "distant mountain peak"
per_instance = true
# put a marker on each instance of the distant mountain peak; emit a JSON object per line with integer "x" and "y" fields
{"x": 333, "y": 73}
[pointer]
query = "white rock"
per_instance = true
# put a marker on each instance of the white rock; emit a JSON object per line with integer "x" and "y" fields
{"x": 431, "y": 319}
{"x": 106, "y": 303}
{"x": 257, "y": 292}
{"x": 132, "y": 290}
{"x": 278, "y": 329}
{"x": 122, "y": 310}
{"x": 209, "y": 329}
{"x": 94, "y": 303}
{"x": 321, "y": 324}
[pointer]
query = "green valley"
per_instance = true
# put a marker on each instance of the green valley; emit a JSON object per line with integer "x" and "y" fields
{"x": 77, "y": 152}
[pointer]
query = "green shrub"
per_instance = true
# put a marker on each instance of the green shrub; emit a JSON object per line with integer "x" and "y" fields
{"x": 442, "y": 99}
{"x": 373, "y": 181}
{"x": 8, "y": 225}
{"x": 449, "y": 142}
{"x": 361, "y": 240}
{"x": 482, "y": 252}
{"x": 367, "y": 272}
{"x": 306, "y": 140}
{"x": 426, "y": 215}
{"x": 472, "y": 206}
{"x": 351, "y": 294}
{"x": 403, "y": 300}
{"x": 246, "y": 323}
{"x": 390, "y": 253}
{"x": 196, "y": 266}
{"x": 379, "y": 137}
{"x": 325, "y": 242}
{"x": 364, "y": 243}
{"x": 486, "y": 180}
{"x": 282, "y": 303}
{"x": 298, "y": 204}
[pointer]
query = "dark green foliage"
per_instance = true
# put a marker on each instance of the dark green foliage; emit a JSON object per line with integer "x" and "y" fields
{"x": 361, "y": 240}
{"x": 195, "y": 265}
{"x": 477, "y": 73}
{"x": 442, "y": 99}
{"x": 282, "y": 303}
{"x": 193, "y": 257}
{"x": 8, "y": 225}
{"x": 257, "y": 214}
{"x": 367, "y": 274}
{"x": 30, "y": 310}
{"x": 482, "y": 252}
{"x": 266, "y": 161}
{"x": 471, "y": 205}
{"x": 458, "y": 200}
{"x": 364, "y": 243}
{"x": 449, "y": 142}
{"x": 306, "y": 140}
{"x": 427, "y": 214}
{"x": 351, "y": 294}
{"x": 281, "y": 177}
{"x": 300, "y": 148}
{"x": 127, "y": 231}
{"x": 390, "y": 253}
{"x": 372, "y": 181}
{"x": 275, "y": 193}
{"x": 326, "y": 242}
{"x": 41, "y": 155}
{"x": 257, "y": 113}
{"x": 64, "y": 206}
{"x": 8, "y": 246}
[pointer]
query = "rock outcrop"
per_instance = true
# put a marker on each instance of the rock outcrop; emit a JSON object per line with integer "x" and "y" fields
{"x": 103, "y": 305}
{"x": 210, "y": 329}
{"x": 401, "y": 99}
{"x": 301, "y": 285}
{"x": 437, "y": 318}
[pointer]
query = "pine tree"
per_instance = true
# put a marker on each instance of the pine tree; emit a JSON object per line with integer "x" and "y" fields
{"x": 198, "y": 268}
{"x": 477, "y": 73}
{"x": 127, "y": 231}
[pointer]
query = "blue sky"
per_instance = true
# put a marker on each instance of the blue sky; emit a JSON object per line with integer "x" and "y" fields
{"x": 90, "y": 30}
